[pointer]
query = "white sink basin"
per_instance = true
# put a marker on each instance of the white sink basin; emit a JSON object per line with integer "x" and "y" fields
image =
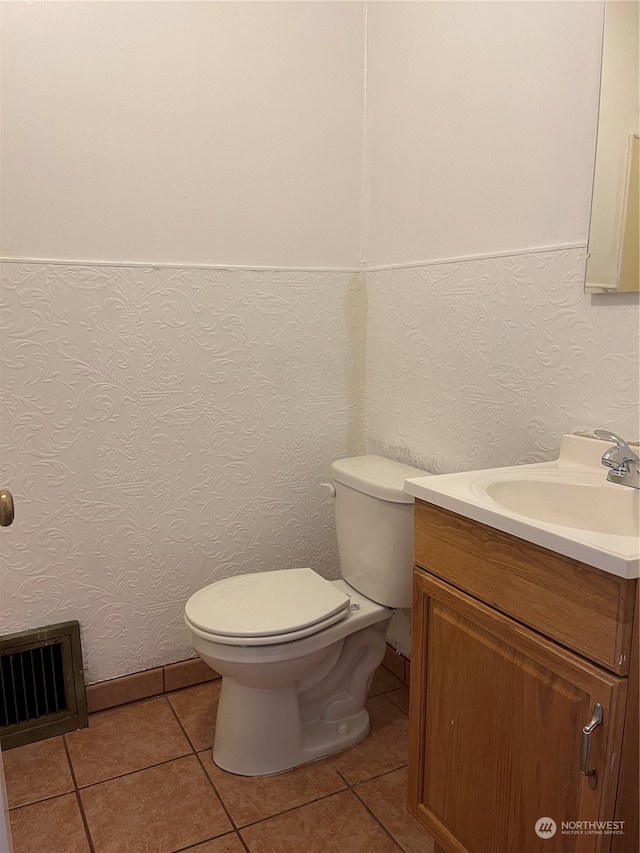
{"x": 567, "y": 506}
{"x": 590, "y": 506}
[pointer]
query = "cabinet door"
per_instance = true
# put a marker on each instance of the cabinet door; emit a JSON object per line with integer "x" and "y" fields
{"x": 497, "y": 713}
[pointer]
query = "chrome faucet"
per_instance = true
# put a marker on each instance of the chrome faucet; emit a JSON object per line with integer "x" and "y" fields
{"x": 624, "y": 463}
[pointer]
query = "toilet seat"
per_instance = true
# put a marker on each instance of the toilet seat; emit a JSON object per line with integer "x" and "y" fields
{"x": 265, "y": 608}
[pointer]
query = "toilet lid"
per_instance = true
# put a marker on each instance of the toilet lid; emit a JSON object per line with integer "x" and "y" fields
{"x": 266, "y": 604}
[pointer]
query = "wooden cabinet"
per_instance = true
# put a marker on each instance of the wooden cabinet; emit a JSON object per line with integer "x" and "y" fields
{"x": 498, "y": 708}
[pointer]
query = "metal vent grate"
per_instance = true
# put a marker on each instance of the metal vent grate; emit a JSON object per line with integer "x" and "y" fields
{"x": 32, "y": 684}
{"x": 42, "y": 689}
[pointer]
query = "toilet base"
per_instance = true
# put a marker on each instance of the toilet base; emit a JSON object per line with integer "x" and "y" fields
{"x": 261, "y": 731}
{"x": 319, "y": 739}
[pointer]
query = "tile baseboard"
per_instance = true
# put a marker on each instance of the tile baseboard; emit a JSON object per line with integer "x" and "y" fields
{"x": 150, "y": 682}
{"x": 187, "y": 673}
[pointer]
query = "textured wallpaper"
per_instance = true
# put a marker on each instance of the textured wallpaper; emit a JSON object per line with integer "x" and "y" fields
{"x": 489, "y": 362}
{"x": 162, "y": 428}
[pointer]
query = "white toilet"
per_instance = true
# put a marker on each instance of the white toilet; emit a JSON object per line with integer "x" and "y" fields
{"x": 297, "y": 652}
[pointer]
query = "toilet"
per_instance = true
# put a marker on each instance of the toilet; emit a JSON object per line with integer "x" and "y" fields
{"x": 297, "y": 652}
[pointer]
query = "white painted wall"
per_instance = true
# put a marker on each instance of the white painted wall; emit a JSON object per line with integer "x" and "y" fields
{"x": 481, "y": 127}
{"x": 182, "y": 132}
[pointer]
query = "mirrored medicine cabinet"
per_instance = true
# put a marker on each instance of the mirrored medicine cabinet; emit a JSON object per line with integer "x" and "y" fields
{"x": 614, "y": 247}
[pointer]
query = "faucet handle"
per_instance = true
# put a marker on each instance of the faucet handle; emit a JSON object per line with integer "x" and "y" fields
{"x": 611, "y": 436}
{"x": 612, "y": 456}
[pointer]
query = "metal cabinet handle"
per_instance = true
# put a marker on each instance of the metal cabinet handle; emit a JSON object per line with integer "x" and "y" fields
{"x": 585, "y": 746}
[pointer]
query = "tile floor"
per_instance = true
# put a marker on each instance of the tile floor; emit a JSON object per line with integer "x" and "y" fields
{"x": 140, "y": 779}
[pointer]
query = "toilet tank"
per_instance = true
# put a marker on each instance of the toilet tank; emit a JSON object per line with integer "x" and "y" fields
{"x": 374, "y": 527}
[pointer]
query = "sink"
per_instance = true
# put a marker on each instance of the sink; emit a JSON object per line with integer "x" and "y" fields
{"x": 567, "y": 505}
{"x": 585, "y": 506}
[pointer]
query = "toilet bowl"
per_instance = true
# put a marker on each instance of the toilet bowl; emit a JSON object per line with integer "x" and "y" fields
{"x": 286, "y": 703}
{"x": 297, "y": 652}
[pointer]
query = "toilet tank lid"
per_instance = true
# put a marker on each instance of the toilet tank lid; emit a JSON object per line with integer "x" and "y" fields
{"x": 376, "y": 476}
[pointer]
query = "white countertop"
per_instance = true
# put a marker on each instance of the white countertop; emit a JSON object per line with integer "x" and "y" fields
{"x": 566, "y": 506}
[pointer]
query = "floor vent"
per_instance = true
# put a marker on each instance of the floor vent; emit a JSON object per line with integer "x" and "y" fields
{"x": 42, "y": 690}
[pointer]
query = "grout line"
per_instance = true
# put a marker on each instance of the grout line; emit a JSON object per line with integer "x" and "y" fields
{"x": 352, "y": 788}
{"x": 78, "y": 797}
{"x": 179, "y": 721}
{"x": 243, "y": 842}
{"x": 397, "y": 704}
{"x": 41, "y": 800}
{"x": 379, "y": 775}
{"x": 339, "y": 772}
{"x": 377, "y": 820}
{"x": 133, "y": 772}
{"x": 211, "y": 838}
{"x": 295, "y": 808}
{"x": 128, "y": 702}
{"x": 215, "y": 790}
{"x": 368, "y": 778}
{"x": 149, "y": 766}
{"x": 173, "y": 690}
{"x": 208, "y": 778}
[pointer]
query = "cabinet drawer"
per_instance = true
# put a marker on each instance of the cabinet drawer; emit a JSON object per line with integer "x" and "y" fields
{"x": 580, "y": 607}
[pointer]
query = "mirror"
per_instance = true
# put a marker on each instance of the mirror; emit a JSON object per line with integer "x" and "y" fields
{"x": 613, "y": 256}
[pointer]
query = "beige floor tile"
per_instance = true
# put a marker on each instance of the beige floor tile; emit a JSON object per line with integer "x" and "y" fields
{"x": 250, "y": 799}
{"x": 157, "y": 810}
{"x": 385, "y": 747}
{"x": 37, "y": 771}
{"x": 337, "y": 824}
{"x": 226, "y": 844}
{"x": 385, "y": 680}
{"x": 196, "y": 708}
{"x": 400, "y": 697}
{"x": 51, "y": 826}
{"x": 122, "y": 740}
{"x": 386, "y": 796}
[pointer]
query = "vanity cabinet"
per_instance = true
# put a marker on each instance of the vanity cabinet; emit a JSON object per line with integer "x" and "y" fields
{"x": 513, "y": 648}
